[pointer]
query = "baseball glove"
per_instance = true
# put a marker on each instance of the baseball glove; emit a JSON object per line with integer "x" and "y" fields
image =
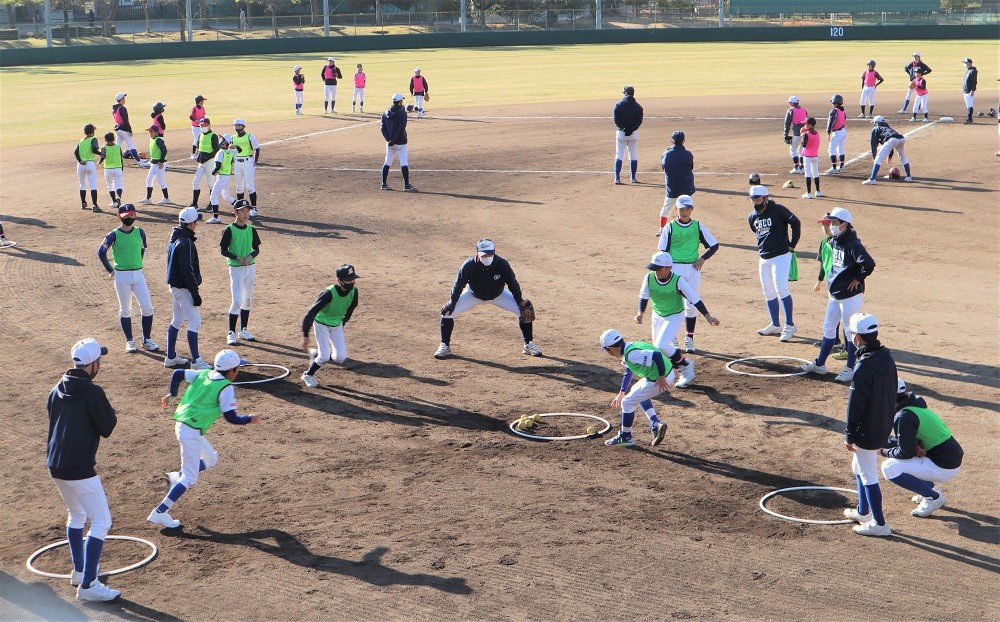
{"x": 410, "y": 107}
{"x": 991, "y": 113}
{"x": 788, "y": 140}
{"x": 527, "y": 311}
{"x": 427, "y": 97}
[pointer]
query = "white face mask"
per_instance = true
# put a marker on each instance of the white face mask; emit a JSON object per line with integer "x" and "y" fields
{"x": 486, "y": 259}
{"x": 841, "y": 230}
{"x": 206, "y": 130}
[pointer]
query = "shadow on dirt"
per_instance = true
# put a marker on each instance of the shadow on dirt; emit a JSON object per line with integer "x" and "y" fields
{"x": 800, "y": 416}
{"x": 954, "y": 553}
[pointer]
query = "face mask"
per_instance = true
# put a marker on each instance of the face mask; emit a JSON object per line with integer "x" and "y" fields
{"x": 841, "y": 230}
{"x": 128, "y": 221}
{"x": 206, "y": 130}
{"x": 486, "y": 260}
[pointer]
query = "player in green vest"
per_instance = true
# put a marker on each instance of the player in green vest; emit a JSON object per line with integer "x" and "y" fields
{"x": 240, "y": 246}
{"x": 328, "y": 315}
{"x": 825, "y": 257}
{"x": 223, "y": 172}
{"x": 210, "y": 395}
{"x": 111, "y": 158}
{"x": 208, "y": 146}
{"x": 655, "y": 375}
{"x": 157, "y": 167}
{"x": 247, "y": 154}
{"x": 86, "y": 153}
{"x": 921, "y": 452}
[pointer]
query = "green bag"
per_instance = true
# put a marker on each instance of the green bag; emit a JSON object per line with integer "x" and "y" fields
{"x": 793, "y": 271}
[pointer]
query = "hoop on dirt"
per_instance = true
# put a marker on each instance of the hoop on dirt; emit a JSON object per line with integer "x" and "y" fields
{"x": 535, "y": 437}
{"x": 263, "y": 380}
{"x": 808, "y": 521}
{"x": 730, "y": 369}
{"x": 45, "y": 549}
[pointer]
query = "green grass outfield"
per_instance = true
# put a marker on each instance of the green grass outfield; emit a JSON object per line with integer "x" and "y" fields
{"x": 46, "y": 104}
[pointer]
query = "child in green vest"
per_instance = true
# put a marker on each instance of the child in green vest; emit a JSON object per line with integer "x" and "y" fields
{"x": 655, "y": 374}
{"x": 240, "y": 246}
{"x": 111, "y": 158}
{"x": 329, "y": 314}
{"x": 157, "y": 167}
{"x": 223, "y": 172}
{"x": 86, "y": 167}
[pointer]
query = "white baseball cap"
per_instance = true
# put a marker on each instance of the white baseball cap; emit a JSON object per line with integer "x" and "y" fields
{"x": 878, "y": 119}
{"x": 239, "y": 121}
{"x": 793, "y": 100}
{"x": 757, "y": 191}
{"x": 188, "y": 215}
{"x": 416, "y": 70}
{"x": 120, "y": 96}
{"x": 916, "y": 53}
{"x": 863, "y": 324}
{"x": 609, "y": 338}
{"x": 297, "y": 68}
{"x": 227, "y": 137}
{"x": 685, "y": 200}
{"x": 900, "y": 386}
{"x": 228, "y": 359}
{"x": 86, "y": 351}
{"x": 660, "y": 260}
{"x": 486, "y": 246}
{"x": 331, "y": 59}
{"x": 398, "y": 97}
{"x": 841, "y": 214}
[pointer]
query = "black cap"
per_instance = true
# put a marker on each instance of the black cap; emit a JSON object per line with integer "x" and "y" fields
{"x": 199, "y": 98}
{"x": 346, "y": 273}
{"x": 629, "y": 90}
{"x": 677, "y": 136}
{"x": 126, "y": 208}
{"x": 241, "y": 204}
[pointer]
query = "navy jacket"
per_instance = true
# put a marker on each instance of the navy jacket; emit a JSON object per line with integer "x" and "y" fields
{"x": 857, "y": 264}
{"x": 394, "y": 125}
{"x": 628, "y": 115}
{"x": 771, "y": 226}
{"x": 678, "y": 171}
{"x": 911, "y": 69}
{"x": 969, "y": 83}
{"x": 902, "y": 444}
{"x": 872, "y": 402}
{"x": 183, "y": 268}
{"x": 79, "y": 415}
{"x": 486, "y": 282}
{"x": 881, "y": 134}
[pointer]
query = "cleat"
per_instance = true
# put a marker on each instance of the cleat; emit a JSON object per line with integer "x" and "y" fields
{"x": 819, "y": 194}
{"x": 807, "y": 195}
{"x": 150, "y": 345}
{"x": 913, "y": 120}
{"x": 443, "y": 351}
{"x": 618, "y": 182}
{"x": 795, "y": 170}
{"x": 869, "y": 182}
{"x": 840, "y": 355}
{"x": 386, "y": 187}
{"x": 231, "y": 339}
{"x": 199, "y": 364}
{"x": 687, "y": 375}
{"x": 689, "y": 345}
{"x": 95, "y": 208}
{"x": 253, "y": 212}
{"x": 908, "y": 179}
{"x": 787, "y": 332}
{"x": 620, "y": 440}
{"x": 903, "y": 111}
{"x": 857, "y": 517}
{"x": 177, "y": 361}
{"x": 163, "y": 519}
{"x": 861, "y": 116}
{"x": 813, "y": 368}
{"x": 967, "y": 122}
{"x": 831, "y": 171}
{"x": 659, "y": 431}
{"x": 214, "y": 220}
{"x": 409, "y": 188}
{"x": 146, "y": 202}
{"x": 633, "y": 181}
{"x": 76, "y": 577}
{"x": 164, "y": 201}
{"x": 846, "y": 375}
{"x": 873, "y": 529}
{"x": 310, "y": 381}
{"x": 927, "y": 120}
{"x": 769, "y": 330}
{"x": 928, "y": 505}
{"x": 531, "y": 349}
{"x": 246, "y": 335}
{"x": 97, "y": 593}
{"x": 130, "y": 346}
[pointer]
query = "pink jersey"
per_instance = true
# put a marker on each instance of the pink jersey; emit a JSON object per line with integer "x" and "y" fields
{"x": 359, "y": 80}
{"x": 799, "y": 115}
{"x": 810, "y": 144}
{"x": 197, "y": 114}
{"x": 117, "y": 115}
{"x": 920, "y": 86}
{"x": 839, "y": 119}
{"x": 870, "y": 78}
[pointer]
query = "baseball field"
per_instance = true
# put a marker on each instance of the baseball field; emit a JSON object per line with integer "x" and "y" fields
{"x": 395, "y": 490}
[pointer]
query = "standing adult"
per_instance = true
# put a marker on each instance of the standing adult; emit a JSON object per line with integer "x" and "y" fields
{"x": 79, "y": 415}
{"x": 795, "y": 120}
{"x": 870, "y": 80}
{"x": 245, "y": 163}
{"x": 208, "y": 146}
{"x": 329, "y": 315}
{"x": 777, "y": 230}
{"x": 124, "y": 128}
{"x": 240, "y": 246}
{"x": 870, "y": 410}
{"x": 127, "y": 244}
{"x": 184, "y": 279}
{"x": 836, "y": 133}
{"x": 969, "y": 87}
{"x": 197, "y": 114}
{"x": 329, "y": 75}
{"x": 889, "y": 139}
{"x": 86, "y": 154}
{"x": 627, "y": 114}
{"x": 850, "y": 265}
{"x": 360, "y": 79}
{"x": 420, "y": 91}
{"x": 678, "y": 175}
{"x": 394, "y": 131}
{"x": 299, "y": 85}
{"x": 911, "y": 73}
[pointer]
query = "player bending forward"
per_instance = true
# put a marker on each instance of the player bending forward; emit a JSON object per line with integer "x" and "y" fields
{"x": 655, "y": 375}
{"x": 329, "y": 314}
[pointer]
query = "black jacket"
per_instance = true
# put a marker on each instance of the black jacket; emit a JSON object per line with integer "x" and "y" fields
{"x": 902, "y": 444}
{"x": 881, "y": 134}
{"x": 771, "y": 226}
{"x": 857, "y": 264}
{"x": 970, "y": 80}
{"x": 628, "y": 115}
{"x": 872, "y": 402}
{"x": 394, "y": 125}
{"x": 678, "y": 171}
{"x": 79, "y": 415}
{"x": 911, "y": 69}
{"x": 183, "y": 268}
{"x": 486, "y": 282}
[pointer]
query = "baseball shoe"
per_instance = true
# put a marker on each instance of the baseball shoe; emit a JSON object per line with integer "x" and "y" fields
{"x": 253, "y": 212}
{"x": 869, "y": 182}
{"x": 144, "y": 164}
{"x": 861, "y": 116}
{"x": 177, "y": 361}
{"x": 214, "y": 220}
{"x": 687, "y": 375}
{"x": 856, "y": 516}
{"x": 208, "y": 209}
{"x": 531, "y": 349}
{"x": 84, "y": 206}
{"x": 795, "y": 170}
{"x": 385, "y": 187}
{"x": 95, "y": 208}
{"x": 443, "y": 351}
{"x": 409, "y": 188}
{"x": 659, "y": 431}
{"x": 633, "y": 181}
{"x": 164, "y": 201}
{"x": 310, "y": 381}
{"x": 839, "y": 355}
{"x": 918, "y": 498}
{"x": 845, "y": 375}
{"x": 903, "y": 111}
{"x": 807, "y": 195}
{"x": 926, "y": 120}
{"x": 873, "y": 529}
{"x": 76, "y": 577}
{"x": 813, "y": 368}
{"x": 620, "y": 440}
{"x": 246, "y": 335}
{"x": 130, "y": 346}
{"x": 907, "y": 178}
{"x": 172, "y": 478}
{"x": 97, "y": 593}
{"x": 819, "y": 194}
{"x": 831, "y": 171}
{"x": 618, "y": 182}
{"x": 150, "y": 345}
{"x": 199, "y": 364}
{"x": 787, "y": 332}
{"x": 689, "y": 345}
{"x": 194, "y": 156}
{"x": 146, "y": 202}
{"x": 967, "y": 122}
{"x": 769, "y": 330}
{"x": 5, "y": 243}
{"x": 231, "y": 339}
{"x": 913, "y": 120}
{"x": 928, "y": 505}
{"x": 163, "y": 519}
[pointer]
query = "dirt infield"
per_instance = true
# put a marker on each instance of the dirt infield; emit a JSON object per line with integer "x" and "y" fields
{"x": 394, "y": 491}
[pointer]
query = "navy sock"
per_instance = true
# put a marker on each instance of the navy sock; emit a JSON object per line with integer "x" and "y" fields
{"x": 808, "y": 184}
{"x": 126, "y": 327}
{"x": 149, "y": 192}
{"x": 253, "y": 199}
{"x": 193, "y": 344}
{"x": 786, "y": 304}
{"x": 385, "y": 175}
{"x": 147, "y": 327}
{"x": 618, "y": 169}
{"x": 232, "y": 322}
{"x": 772, "y": 310}
{"x": 75, "y": 537}
{"x": 406, "y": 175}
{"x": 93, "y": 197}
{"x": 875, "y": 170}
{"x": 906, "y": 104}
{"x": 863, "y": 507}
{"x": 816, "y": 183}
{"x": 852, "y": 353}
{"x": 634, "y": 167}
{"x": 312, "y": 369}
{"x": 627, "y": 420}
{"x": 172, "y": 341}
{"x": 173, "y": 495}
{"x": 525, "y": 331}
{"x": 447, "y": 325}
{"x": 874, "y": 494}
{"x": 689, "y": 323}
{"x": 647, "y": 407}
{"x": 135, "y": 155}
{"x": 83, "y": 197}
{"x": 91, "y": 558}
{"x": 915, "y": 484}
{"x": 201, "y": 465}
{"x": 244, "y": 317}
{"x": 825, "y": 347}
{"x": 906, "y": 167}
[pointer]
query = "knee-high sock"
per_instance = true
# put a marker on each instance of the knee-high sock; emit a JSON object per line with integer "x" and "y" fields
{"x": 874, "y": 494}
{"x": 75, "y": 538}
{"x": 244, "y": 318}
{"x": 253, "y": 199}
{"x": 808, "y": 184}
{"x": 816, "y": 183}
{"x": 406, "y": 175}
{"x": 173, "y": 495}
{"x": 385, "y": 174}
{"x": 863, "y": 507}
{"x": 906, "y": 167}
{"x": 93, "y": 197}
{"x": 647, "y": 407}
{"x": 786, "y": 304}
{"x": 91, "y": 558}
{"x": 172, "y": 341}
{"x": 447, "y": 325}
{"x": 875, "y": 169}
{"x": 232, "y": 322}
{"x": 525, "y": 331}
{"x": 618, "y": 169}
{"x": 126, "y": 327}
{"x": 313, "y": 368}
{"x": 825, "y": 347}
{"x": 193, "y": 344}
{"x": 634, "y": 167}
{"x": 627, "y": 420}
{"x": 915, "y": 484}
{"x": 689, "y": 323}
{"x": 852, "y": 353}
{"x": 147, "y": 327}
{"x": 772, "y": 311}
{"x": 83, "y": 197}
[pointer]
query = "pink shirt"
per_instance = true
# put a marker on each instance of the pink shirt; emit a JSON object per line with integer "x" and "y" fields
{"x": 841, "y": 118}
{"x": 799, "y": 115}
{"x": 870, "y": 78}
{"x": 811, "y": 140}
{"x": 920, "y": 86}
{"x": 359, "y": 80}
{"x": 197, "y": 114}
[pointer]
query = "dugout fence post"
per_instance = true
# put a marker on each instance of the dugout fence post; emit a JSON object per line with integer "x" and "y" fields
{"x": 48, "y": 24}
{"x": 597, "y": 15}
{"x": 326, "y": 18}
{"x": 188, "y": 21}
{"x": 462, "y": 15}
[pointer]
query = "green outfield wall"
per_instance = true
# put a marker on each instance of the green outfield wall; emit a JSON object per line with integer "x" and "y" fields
{"x": 149, "y": 51}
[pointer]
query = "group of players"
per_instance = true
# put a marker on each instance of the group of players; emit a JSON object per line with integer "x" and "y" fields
{"x": 330, "y": 74}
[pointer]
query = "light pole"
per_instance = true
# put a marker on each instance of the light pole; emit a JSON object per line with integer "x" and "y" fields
{"x": 326, "y": 18}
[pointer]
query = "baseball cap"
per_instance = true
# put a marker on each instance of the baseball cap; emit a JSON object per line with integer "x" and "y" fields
{"x": 684, "y": 201}
{"x": 416, "y": 70}
{"x": 205, "y": 121}
{"x": 660, "y": 260}
{"x": 239, "y": 121}
{"x": 871, "y": 62}
{"x": 825, "y": 220}
{"x": 331, "y": 59}
{"x": 86, "y": 351}
{"x": 609, "y": 338}
{"x": 486, "y": 247}
{"x": 241, "y": 204}
{"x": 758, "y": 191}
{"x": 227, "y": 137}
{"x": 864, "y": 324}
{"x": 966, "y": 60}
{"x": 346, "y": 272}
{"x": 228, "y": 359}
{"x": 200, "y": 98}
{"x": 878, "y": 119}
{"x": 153, "y": 127}
{"x": 126, "y": 209}
{"x": 793, "y": 100}
{"x": 398, "y": 97}
{"x": 297, "y": 68}
{"x": 900, "y": 386}
{"x": 188, "y": 215}
{"x": 678, "y": 135}
{"x": 916, "y": 53}
{"x": 841, "y": 214}
{"x": 120, "y": 96}
{"x": 629, "y": 90}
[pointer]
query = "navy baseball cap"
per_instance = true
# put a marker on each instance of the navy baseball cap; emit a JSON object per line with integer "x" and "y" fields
{"x": 677, "y": 135}
{"x": 126, "y": 209}
{"x": 346, "y": 273}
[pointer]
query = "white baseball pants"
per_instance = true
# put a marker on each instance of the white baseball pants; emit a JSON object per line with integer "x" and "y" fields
{"x": 127, "y": 284}
{"x": 909, "y": 96}
{"x": 837, "y": 140}
{"x": 774, "y": 275}
{"x": 664, "y": 329}
{"x": 299, "y": 97}
{"x": 642, "y": 391}
{"x": 84, "y": 498}
{"x": 668, "y": 204}
{"x": 868, "y": 96}
{"x": 203, "y": 172}
{"x": 920, "y": 104}
{"x": 196, "y": 135}
{"x": 87, "y": 174}
{"x": 241, "y": 281}
{"x": 810, "y": 166}
{"x": 468, "y": 300}
{"x": 243, "y": 171}
{"x": 795, "y": 149}
{"x": 327, "y": 336}
{"x": 113, "y": 179}
{"x": 687, "y": 272}
{"x": 390, "y": 154}
{"x": 359, "y": 95}
{"x": 184, "y": 310}
{"x": 899, "y": 144}
{"x": 194, "y": 449}
{"x": 970, "y": 98}
{"x": 159, "y": 173}
{"x": 419, "y": 103}
{"x": 865, "y": 464}
{"x": 623, "y": 142}
{"x": 839, "y": 312}
{"x": 125, "y": 138}
{"x": 221, "y": 188}
{"x": 329, "y": 93}
{"x": 921, "y": 468}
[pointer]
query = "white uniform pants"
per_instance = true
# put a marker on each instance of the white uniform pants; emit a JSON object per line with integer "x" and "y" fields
{"x": 194, "y": 448}
{"x": 468, "y": 300}
{"x": 203, "y": 172}
{"x": 390, "y": 154}
{"x": 221, "y": 188}
{"x": 837, "y": 140}
{"x": 84, "y": 498}
{"x": 795, "y": 149}
{"x": 840, "y": 312}
{"x": 810, "y": 166}
{"x": 668, "y": 204}
{"x": 623, "y": 142}
{"x": 196, "y": 135}
{"x": 241, "y": 280}
{"x": 299, "y": 98}
{"x": 909, "y": 96}
{"x": 921, "y": 468}
{"x": 127, "y": 284}
{"x": 113, "y": 179}
{"x": 125, "y": 138}
{"x": 920, "y": 104}
{"x": 687, "y": 272}
{"x": 664, "y": 329}
{"x": 899, "y": 144}
{"x": 243, "y": 170}
{"x": 184, "y": 310}
{"x": 865, "y": 464}
{"x": 359, "y": 95}
{"x": 157, "y": 172}
{"x": 774, "y": 275}
{"x": 970, "y": 99}
{"x": 87, "y": 174}
{"x": 419, "y": 102}
{"x": 327, "y": 337}
{"x": 329, "y": 93}
{"x": 642, "y": 391}
{"x": 868, "y": 96}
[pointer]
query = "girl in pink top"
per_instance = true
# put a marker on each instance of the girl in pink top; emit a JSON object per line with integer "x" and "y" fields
{"x": 359, "y": 88}
{"x": 919, "y": 86}
{"x": 811, "y": 140}
{"x": 197, "y": 114}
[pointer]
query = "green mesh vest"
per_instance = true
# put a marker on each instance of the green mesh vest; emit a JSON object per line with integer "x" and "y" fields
{"x": 667, "y": 298}
{"x": 242, "y": 144}
{"x": 112, "y": 156}
{"x": 205, "y": 142}
{"x": 199, "y": 408}
{"x": 240, "y": 243}
{"x": 932, "y": 431}
{"x": 86, "y": 149}
{"x": 649, "y": 372}
{"x": 127, "y": 249}
{"x": 684, "y": 241}
{"x": 333, "y": 313}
